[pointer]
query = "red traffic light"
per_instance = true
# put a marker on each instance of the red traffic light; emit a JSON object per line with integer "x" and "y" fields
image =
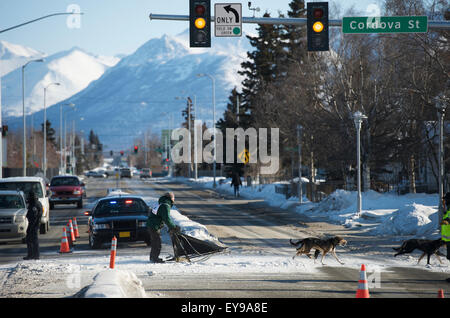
{"x": 200, "y": 9}
{"x": 135, "y": 147}
{"x": 318, "y": 13}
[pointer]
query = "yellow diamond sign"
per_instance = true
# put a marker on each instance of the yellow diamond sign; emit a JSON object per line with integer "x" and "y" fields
{"x": 244, "y": 156}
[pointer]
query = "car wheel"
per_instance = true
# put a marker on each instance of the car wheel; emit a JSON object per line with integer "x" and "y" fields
{"x": 52, "y": 206}
{"x": 80, "y": 204}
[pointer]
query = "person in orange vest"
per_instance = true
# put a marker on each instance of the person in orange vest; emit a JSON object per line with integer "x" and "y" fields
{"x": 445, "y": 225}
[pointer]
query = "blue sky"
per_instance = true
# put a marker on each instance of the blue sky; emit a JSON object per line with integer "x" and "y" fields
{"x": 112, "y": 27}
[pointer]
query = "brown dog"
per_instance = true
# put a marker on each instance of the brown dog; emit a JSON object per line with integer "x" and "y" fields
{"x": 323, "y": 246}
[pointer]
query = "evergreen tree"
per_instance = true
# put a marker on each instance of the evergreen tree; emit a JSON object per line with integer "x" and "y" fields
{"x": 262, "y": 64}
{"x": 50, "y": 132}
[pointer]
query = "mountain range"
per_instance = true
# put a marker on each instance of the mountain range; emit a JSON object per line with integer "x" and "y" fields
{"x": 143, "y": 92}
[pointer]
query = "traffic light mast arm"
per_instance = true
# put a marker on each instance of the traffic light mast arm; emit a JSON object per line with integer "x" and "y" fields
{"x": 286, "y": 21}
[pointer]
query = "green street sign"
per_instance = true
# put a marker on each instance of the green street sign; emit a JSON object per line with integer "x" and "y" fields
{"x": 403, "y": 24}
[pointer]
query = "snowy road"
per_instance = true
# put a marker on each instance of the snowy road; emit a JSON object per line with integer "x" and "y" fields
{"x": 258, "y": 262}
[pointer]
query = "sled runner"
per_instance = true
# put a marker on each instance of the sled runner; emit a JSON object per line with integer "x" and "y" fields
{"x": 189, "y": 248}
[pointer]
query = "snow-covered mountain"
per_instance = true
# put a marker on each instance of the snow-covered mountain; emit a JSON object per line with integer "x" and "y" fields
{"x": 13, "y": 56}
{"x": 74, "y": 69}
{"x": 139, "y": 93}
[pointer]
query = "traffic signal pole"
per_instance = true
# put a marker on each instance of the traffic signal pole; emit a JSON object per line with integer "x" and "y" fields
{"x": 444, "y": 25}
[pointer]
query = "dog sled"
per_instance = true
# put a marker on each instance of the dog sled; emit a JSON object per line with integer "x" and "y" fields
{"x": 190, "y": 249}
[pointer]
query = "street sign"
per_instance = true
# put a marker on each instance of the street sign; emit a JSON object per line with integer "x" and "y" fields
{"x": 244, "y": 156}
{"x": 228, "y": 19}
{"x": 401, "y": 24}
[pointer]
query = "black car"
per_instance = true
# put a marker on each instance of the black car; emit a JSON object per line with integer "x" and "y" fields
{"x": 124, "y": 217}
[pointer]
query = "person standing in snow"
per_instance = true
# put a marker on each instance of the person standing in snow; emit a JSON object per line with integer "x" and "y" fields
{"x": 34, "y": 215}
{"x": 156, "y": 220}
{"x": 236, "y": 182}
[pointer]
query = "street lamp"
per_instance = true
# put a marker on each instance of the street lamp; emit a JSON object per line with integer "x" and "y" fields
{"x": 24, "y": 120}
{"x": 300, "y": 184}
{"x": 61, "y": 163}
{"x": 44, "y": 164}
{"x": 441, "y": 105}
{"x": 214, "y": 120}
{"x": 358, "y": 118}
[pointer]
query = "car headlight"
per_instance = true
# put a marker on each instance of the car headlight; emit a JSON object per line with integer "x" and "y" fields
{"x": 19, "y": 219}
{"x": 76, "y": 191}
{"x": 142, "y": 224}
{"x": 101, "y": 226}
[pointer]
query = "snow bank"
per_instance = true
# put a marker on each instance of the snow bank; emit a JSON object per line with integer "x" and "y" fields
{"x": 385, "y": 214}
{"x": 115, "y": 283}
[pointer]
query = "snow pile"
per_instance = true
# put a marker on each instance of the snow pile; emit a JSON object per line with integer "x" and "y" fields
{"x": 385, "y": 214}
{"x": 115, "y": 283}
{"x": 413, "y": 219}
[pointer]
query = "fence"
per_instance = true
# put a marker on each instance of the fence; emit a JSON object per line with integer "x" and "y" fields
{"x": 18, "y": 172}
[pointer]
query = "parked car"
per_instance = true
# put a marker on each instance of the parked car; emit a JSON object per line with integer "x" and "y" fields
{"x": 146, "y": 173}
{"x": 66, "y": 190}
{"x": 95, "y": 174}
{"x": 125, "y": 173}
{"x": 26, "y": 184}
{"x": 13, "y": 216}
{"x": 124, "y": 217}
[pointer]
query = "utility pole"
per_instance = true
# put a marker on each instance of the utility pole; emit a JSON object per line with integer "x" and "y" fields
{"x": 300, "y": 184}
{"x": 441, "y": 107}
{"x": 358, "y": 118}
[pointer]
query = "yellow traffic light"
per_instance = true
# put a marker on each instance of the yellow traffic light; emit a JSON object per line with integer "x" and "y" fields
{"x": 318, "y": 27}
{"x": 200, "y": 23}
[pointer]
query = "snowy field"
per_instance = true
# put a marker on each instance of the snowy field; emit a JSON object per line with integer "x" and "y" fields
{"x": 397, "y": 217}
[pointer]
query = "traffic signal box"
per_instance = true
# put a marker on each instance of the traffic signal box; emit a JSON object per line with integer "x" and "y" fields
{"x": 200, "y": 23}
{"x": 136, "y": 149}
{"x": 317, "y": 26}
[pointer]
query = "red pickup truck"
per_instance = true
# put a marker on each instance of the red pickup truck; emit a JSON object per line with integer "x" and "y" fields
{"x": 67, "y": 190}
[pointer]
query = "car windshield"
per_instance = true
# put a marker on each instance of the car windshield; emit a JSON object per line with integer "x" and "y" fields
{"x": 65, "y": 182}
{"x": 120, "y": 206}
{"x": 24, "y": 186}
{"x": 11, "y": 202}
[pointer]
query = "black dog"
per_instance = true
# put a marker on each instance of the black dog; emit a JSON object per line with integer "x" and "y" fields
{"x": 428, "y": 247}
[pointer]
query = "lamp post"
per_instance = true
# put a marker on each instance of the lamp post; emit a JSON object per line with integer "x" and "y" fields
{"x": 441, "y": 107}
{"x": 214, "y": 120}
{"x": 358, "y": 118}
{"x": 61, "y": 163}
{"x": 44, "y": 164}
{"x": 300, "y": 184}
{"x": 24, "y": 120}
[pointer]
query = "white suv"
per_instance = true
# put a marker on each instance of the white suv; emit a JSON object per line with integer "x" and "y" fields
{"x": 26, "y": 184}
{"x": 13, "y": 216}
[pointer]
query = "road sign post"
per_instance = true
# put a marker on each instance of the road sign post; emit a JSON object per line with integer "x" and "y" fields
{"x": 401, "y": 24}
{"x": 228, "y": 19}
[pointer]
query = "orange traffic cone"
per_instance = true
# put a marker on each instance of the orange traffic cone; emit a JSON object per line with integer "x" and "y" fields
{"x": 363, "y": 289}
{"x": 112, "y": 260}
{"x": 72, "y": 234}
{"x": 75, "y": 228}
{"x": 69, "y": 236}
{"x": 64, "y": 243}
{"x": 441, "y": 293}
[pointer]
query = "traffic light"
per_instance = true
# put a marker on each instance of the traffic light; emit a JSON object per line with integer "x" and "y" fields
{"x": 121, "y": 153}
{"x": 200, "y": 23}
{"x": 317, "y": 26}
{"x": 136, "y": 149}
{"x": 4, "y": 130}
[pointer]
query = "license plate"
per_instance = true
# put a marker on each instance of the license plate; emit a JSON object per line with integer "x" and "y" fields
{"x": 124, "y": 234}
